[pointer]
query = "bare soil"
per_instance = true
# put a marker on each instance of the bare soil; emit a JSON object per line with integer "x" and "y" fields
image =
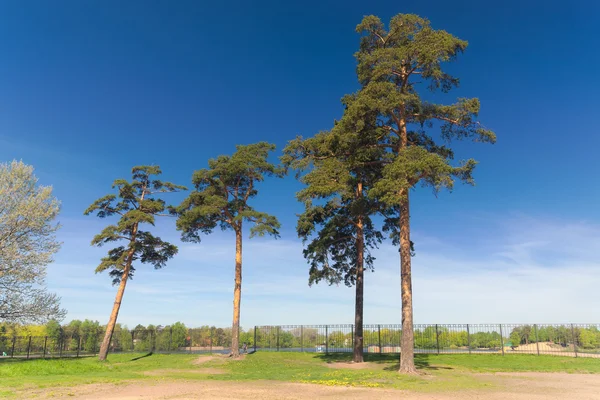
{"x": 206, "y": 371}
{"x": 205, "y": 359}
{"x": 507, "y": 386}
{"x": 551, "y": 349}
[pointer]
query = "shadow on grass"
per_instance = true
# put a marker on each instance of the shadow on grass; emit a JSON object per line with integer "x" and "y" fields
{"x": 140, "y": 357}
{"x": 391, "y": 361}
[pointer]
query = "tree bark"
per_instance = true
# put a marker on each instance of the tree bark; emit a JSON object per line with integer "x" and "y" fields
{"x": 358, "y": 356}
{"x": 237, "y": 295}
{"x": 110, "y": 327}
{"x": 407, "y": 362}
{"x": 407, "y": 342}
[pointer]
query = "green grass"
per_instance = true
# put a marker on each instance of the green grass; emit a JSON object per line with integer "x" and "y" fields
{"x": 443, "y": 372}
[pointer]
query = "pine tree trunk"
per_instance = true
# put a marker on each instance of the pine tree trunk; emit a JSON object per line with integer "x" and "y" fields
{"x": 358, "y": 312}
{"x": 407, "y": 362}
{"x": 112, "y": 321}
{"x": 110, "y": 327}
{"x": 237, "y": 295}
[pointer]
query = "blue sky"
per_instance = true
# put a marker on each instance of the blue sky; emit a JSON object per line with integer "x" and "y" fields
{"x": 90, "y": 89}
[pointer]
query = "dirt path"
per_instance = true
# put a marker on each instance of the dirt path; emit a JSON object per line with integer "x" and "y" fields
{"x": 508, "y": 386}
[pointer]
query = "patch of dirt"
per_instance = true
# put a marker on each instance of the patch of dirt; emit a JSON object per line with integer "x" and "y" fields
{"x": 551, "y": 349}
{"x": 507, "y": 386}
{"x": 207, "y": 371}
{"x": 204, "y": 359}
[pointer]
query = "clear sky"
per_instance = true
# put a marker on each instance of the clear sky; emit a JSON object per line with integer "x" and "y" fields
{"x": 89, "y": 89}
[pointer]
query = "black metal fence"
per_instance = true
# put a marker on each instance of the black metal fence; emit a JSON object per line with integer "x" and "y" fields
{"x": 575, "y": 340}
{"x": 169, "y": 340}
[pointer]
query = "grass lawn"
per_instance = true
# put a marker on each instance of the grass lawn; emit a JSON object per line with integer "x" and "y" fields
{"x": 443, "y": 372}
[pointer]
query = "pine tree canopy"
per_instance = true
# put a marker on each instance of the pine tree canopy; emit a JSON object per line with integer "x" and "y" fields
{"x": 135, "y": 204}
{"x": 223, "y": 191}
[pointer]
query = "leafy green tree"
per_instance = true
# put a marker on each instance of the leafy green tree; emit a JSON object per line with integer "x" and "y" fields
{"x": 125, "y": 340}
{"x": 54, "y": 331}
{"x": 393, "y": 64}
{"x": 72, "y": 330}
{"x": 179, "y": 334}
{"x": 589, "y": 338}
{"x": 515, "y": 337}
{"x": 527, "y": 334}
{"x": 90, "y": 331}
{"x": 220, "y": 198}
{"x": 221, "y": 337}
{"x": 135, "y": 204}
{"x": 27, "y": 244}
{"x": 140, "y": 338}
{"x": 337, "y": 218}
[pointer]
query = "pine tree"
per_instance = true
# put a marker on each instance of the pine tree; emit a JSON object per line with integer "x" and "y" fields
{"x": 393, "y": 65}
{"x": 337, "y": 219}
{"x": 220, "y": 198}
{"x": 135, "y": 204}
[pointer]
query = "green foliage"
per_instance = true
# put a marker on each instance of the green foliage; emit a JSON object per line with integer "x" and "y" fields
{"x": 91, "y": 332}
{"x": 54, "y": 330}
{"x": 222, "y": 193}
{"x": 392, "y": 65}
{"x": 515, "y": 337}
{"x": 338, "y": 170}
{"x": 27, "y": 244}
{"x": 179, "y": 334}
{"x": 135, "y": 204}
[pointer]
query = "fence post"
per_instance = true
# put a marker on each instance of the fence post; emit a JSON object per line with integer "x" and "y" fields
{"x": 61, "y": 341}
{"x": 255, "y": 330}
{"x": 468, "y": 339}
{"x": 210, "y": 337}
{"x": 352, "y": 335}
{"x": 151, "y": 341}
{"x": 28, "y": 347}
{"x": 326, "y": 339}
{"x": 537, "y": 344}
{"x": 437, "y": 339}
{"x": 45, "y": 342}
{"x": 501, "y": 340}
{"x": 574, "y": 340}
{"x": 12, "y": 353}
{"x": 379, "y": 335}
{"x": 170, "y": 338}
{"x": 302, "y": 338}
{"x": 278, "y": 328}
{"x": 132, "y": 341}
{"x": 79, "y": 346}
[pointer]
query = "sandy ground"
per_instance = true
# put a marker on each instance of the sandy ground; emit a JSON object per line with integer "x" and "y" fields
{"x": 507, "y": 386}
{"x": 550, "y": 349}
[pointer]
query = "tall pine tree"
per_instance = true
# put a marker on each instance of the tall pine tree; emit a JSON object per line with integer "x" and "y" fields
{"x": 221, "y": 199}
{"x": 337, "y": 221}
{"x": 394, "y": 66}
{"x": 135, "y": 204}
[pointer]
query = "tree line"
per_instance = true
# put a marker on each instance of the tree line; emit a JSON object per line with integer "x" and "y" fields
{"x": 88, "y": 334}
{"x": 178, "y": 337}
{"x": 358, "y": 176}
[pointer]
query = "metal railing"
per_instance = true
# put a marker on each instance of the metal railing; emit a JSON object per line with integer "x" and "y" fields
{"x": 168, "y": 340}
{"x": 575, "y": 340}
